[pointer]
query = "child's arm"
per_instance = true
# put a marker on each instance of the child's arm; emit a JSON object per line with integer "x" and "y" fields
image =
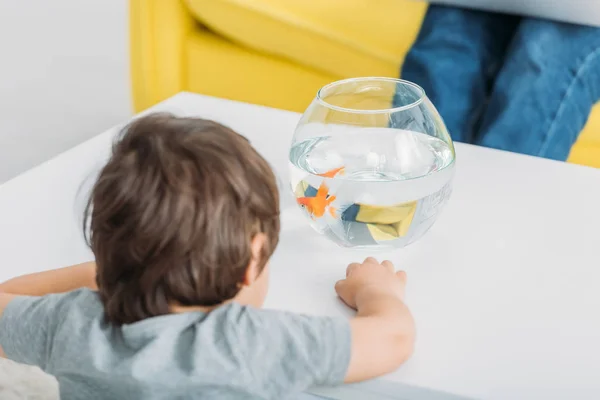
{"x": 54, "y": 281}
{"x": 383, "y": 332}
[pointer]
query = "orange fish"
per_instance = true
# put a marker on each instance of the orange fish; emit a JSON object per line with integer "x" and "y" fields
{"x": 332, "y": 173}
{"x": 317, "y": 205}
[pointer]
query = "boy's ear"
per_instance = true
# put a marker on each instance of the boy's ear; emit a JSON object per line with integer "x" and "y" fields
{"x": 254, "y": 268}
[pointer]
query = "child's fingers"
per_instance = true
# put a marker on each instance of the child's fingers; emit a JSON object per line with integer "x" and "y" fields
{"x": 351, "y": 268}
{"x": 402, "y": 275}
{"x": 388, "y": 264}
{"x": 341, "y": 288}
{"x": 370, "y": 260}
{"x": 344, "y": 291}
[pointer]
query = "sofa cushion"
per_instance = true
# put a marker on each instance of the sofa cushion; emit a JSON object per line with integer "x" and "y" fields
{"x": 217, "y": 67}
{"x": 587, "y": 149}
{"x": 340, "y": 37}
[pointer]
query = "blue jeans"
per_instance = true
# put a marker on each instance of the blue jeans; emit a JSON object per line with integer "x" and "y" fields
{"x": 506, "y": 82}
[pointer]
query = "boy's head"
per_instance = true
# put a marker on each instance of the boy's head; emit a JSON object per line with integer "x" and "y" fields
{"x": 185, "y": 214}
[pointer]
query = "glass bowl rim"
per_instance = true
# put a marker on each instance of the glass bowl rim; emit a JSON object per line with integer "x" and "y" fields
{"x": 403, "y": 82}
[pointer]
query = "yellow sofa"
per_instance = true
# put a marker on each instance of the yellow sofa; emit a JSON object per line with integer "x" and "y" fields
{"x": 278, "y": 53}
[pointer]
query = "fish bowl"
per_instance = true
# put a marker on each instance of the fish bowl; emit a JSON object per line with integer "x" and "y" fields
{"x": 371, "y": 163}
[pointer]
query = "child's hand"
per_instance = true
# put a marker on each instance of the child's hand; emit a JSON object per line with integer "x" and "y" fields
{"x": 370, "y": 277}
{"x": 383, "y": 331}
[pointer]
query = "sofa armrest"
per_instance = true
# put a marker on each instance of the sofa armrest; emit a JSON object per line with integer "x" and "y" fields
{"x": 158, "y": 30}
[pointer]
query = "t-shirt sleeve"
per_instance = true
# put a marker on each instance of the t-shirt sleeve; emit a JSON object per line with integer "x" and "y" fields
{"x": 289, "y": 353}
{"x": 27, "y": 327}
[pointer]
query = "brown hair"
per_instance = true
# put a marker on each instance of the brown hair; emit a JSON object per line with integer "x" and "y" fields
{"x": 172, "y": 216}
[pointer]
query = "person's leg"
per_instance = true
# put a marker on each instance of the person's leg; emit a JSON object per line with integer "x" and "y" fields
{"x": 545, "y": 90}
{"x": 455, "y": 59}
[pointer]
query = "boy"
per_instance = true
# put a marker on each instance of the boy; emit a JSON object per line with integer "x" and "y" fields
{"x": 182, "y": 222}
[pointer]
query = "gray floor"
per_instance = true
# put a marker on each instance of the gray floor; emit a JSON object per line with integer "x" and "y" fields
{"x": 64, "y": 77}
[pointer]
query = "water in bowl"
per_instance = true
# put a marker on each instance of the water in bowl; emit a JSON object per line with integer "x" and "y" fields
{"x": 372, "y": 187}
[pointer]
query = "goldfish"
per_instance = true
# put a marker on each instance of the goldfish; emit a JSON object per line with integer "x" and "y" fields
{"x": 332, "y": 173}
{"x": 321, "y": 202}
{"x": 317, "y": 205}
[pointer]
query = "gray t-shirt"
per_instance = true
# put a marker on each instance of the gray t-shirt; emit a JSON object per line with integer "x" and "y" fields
{"x": 233, "y": 352}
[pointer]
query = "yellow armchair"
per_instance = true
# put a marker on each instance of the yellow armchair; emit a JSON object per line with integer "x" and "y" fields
{"x": 277, "y": 53}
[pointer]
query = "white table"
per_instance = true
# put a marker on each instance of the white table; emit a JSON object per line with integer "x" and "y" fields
{"x": 505, "y": 288}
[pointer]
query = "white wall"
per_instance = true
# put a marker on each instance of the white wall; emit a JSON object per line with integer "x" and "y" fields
{"x": 64, "y": 76}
